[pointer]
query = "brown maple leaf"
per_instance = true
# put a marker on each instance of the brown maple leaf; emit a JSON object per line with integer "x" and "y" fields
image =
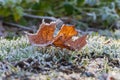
{"x": 76, "y": 44}
{"x": 44, "y": 35}
{"x": 66, "y": 32}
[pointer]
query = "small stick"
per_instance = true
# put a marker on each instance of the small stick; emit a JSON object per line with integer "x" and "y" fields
{"x": 19, "y": 26}
{"x": 39, "y": 17}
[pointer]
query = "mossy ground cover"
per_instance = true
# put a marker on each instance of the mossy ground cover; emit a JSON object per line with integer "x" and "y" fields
{"x": 99, "y": 59}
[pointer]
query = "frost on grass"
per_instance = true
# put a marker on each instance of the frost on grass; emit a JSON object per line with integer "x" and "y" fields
{"x": 18, "y": 55}
{"x": 100, "y": 45}
{"x": 19, "y": 49}
{"x": 8, "y": 47}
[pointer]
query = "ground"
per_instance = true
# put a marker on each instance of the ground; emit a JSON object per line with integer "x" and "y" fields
{"x": 98, "y": 60}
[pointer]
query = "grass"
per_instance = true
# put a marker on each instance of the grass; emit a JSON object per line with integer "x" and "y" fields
{"x": 19, "y": 51}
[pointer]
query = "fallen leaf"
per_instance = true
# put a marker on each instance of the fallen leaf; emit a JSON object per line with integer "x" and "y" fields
{"x": 76, "y": 44}
{"x": 66, "y": 32}
{"x": 44, "y": 35}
